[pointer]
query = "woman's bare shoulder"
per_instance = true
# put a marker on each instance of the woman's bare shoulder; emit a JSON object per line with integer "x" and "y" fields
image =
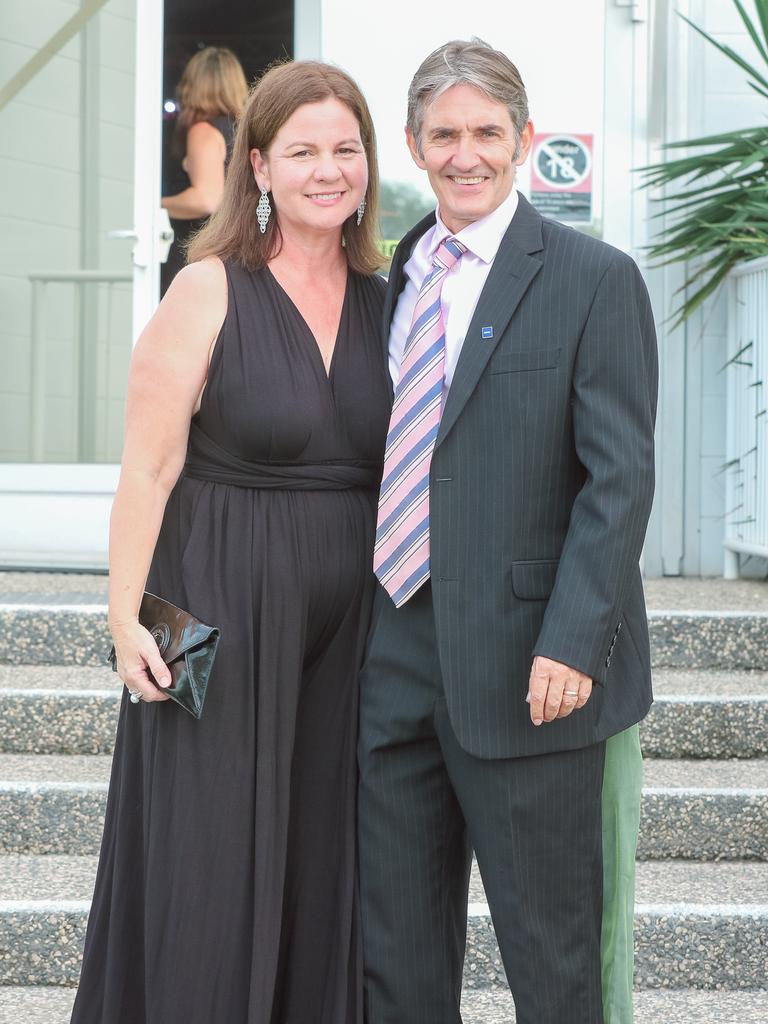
{"x": 208, "y": 274}
{"x": 197, "y": 297}
{"x": 203, "y": 134}
{"x": 202, "y": 130}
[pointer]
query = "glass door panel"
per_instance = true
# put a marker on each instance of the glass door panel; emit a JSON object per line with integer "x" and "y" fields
{"x": 77, "y": 262}
{"x": 66, "y": 167}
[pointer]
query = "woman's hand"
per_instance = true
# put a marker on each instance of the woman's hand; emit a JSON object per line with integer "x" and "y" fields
{"x": 139, "y": 663}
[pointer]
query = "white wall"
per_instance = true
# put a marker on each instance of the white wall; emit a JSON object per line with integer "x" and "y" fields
{"x": 720, "y": 100}
{"x": 705, "y": 93}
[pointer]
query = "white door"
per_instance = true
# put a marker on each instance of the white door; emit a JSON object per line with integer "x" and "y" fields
{"x": 80, "y": 152}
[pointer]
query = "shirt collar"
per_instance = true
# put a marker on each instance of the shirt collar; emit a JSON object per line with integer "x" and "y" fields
{"x": 482, "y": 237}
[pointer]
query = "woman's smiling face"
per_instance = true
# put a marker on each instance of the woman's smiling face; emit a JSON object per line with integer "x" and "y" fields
{"x": 315, "y": 168}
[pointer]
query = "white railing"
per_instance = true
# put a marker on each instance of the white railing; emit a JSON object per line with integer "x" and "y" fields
{"x": 746, "y": 467}
{"x": 84, "y": 356}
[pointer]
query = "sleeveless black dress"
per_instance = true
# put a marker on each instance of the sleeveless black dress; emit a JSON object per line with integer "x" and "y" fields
{"x": 226, "y": 888}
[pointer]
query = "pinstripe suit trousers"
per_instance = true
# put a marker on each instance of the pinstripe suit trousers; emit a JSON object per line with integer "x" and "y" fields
{"x": 425, "y": 804}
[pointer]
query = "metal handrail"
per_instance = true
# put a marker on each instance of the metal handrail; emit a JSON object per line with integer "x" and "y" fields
{"x": 40, "y": 279}
{"x": 73, "y": 276}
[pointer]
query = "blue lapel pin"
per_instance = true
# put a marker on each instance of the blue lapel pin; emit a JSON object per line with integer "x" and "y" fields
{"x": 486, "y": 332}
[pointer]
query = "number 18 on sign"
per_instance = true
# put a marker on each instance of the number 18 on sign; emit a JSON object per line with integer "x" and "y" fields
{"x": 561, "y": 176}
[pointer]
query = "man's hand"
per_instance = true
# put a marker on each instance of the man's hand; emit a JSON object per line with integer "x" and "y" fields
{"x": 555, "y": 690}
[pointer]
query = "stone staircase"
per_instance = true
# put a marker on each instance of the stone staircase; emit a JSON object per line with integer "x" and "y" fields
{"x": 702, "y": 885}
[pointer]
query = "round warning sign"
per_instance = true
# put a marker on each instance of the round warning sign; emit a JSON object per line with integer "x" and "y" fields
{"x": 562, "y": 162}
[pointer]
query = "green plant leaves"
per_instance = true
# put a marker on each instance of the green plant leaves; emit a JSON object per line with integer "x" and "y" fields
{"x": 752, "y": 30}
{"x": 718, "y": 215}
{"x": 731, "y": 53}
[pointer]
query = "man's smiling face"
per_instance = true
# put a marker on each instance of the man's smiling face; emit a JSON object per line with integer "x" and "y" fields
{"x": 470, "y": 153}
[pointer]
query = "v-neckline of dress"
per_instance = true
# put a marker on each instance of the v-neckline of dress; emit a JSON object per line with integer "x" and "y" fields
{"x": 317, "y": 351}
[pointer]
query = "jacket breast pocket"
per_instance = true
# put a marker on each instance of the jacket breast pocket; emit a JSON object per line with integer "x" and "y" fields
{"x": 534, "y": 580}
{"x": 516, "y": 362}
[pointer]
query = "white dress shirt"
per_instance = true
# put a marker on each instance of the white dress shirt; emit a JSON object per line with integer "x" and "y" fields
{"x": 461, "y": 287}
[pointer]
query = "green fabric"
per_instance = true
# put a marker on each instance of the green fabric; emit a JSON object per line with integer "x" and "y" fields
{"x": 622, "y": 788}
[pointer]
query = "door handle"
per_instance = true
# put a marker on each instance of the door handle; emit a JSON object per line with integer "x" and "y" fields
{"x": 165, "y": 234}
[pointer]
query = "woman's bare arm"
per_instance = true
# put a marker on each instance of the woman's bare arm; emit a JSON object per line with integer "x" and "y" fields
{"x": 168, "y": 371}
{"x": 204, "y": 163}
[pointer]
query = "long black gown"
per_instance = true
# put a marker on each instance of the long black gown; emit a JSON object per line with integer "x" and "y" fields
{"x": 226, "y": 888}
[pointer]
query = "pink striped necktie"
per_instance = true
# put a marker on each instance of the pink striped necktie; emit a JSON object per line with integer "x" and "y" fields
{"x": 401, "y": 553}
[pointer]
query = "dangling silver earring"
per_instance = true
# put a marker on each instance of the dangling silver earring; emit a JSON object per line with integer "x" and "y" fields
{"x": 263, "y": 210}
{"x": 360, "y": 211}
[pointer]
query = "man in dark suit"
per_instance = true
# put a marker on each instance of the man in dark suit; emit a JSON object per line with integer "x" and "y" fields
{"x": 509, "y": 637}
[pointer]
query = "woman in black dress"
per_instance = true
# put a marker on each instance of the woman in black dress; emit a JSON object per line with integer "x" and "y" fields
{"x": 257, "y": 413}
{"x": 211, "y": 95}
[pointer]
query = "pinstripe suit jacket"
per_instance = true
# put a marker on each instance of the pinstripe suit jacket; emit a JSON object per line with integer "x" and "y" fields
{"x": 541, "y": 487}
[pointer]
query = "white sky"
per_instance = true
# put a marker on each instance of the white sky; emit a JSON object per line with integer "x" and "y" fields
{"x": 556, "y": 44}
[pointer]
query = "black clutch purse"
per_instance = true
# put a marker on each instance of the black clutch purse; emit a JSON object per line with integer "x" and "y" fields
{"x": 186, "y": 645}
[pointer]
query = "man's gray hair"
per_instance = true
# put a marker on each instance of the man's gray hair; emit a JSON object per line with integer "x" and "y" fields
{"x": 467, "y": 63}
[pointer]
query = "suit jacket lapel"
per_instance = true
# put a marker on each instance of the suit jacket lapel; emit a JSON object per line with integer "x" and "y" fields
{"x": 512, "y": 272}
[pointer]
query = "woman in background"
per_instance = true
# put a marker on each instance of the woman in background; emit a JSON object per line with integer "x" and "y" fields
{"x": 211, "y": 96}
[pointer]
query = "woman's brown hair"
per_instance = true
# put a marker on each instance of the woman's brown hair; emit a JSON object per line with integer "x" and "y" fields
{"x": 212, "y": 84}
{"x": 233, "y": 233}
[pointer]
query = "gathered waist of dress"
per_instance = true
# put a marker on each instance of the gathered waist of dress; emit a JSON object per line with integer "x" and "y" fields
{"x": 206, "y": 460}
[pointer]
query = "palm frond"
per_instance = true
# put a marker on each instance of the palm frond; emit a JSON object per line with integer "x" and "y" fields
{"x": 762, "y": 14}
{"x": 730, "y": 53}
{"x": 718, "y": 214}
{"x": 752, "y": 30}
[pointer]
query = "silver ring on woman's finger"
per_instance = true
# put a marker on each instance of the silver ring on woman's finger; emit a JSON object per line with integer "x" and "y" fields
{"x": 135, "y": 696}
{"x": 571, "y": 693}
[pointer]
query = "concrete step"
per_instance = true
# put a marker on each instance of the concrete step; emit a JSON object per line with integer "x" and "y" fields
{"x": 47, "y": 709}
{"x": 683, "y": 593}
{"x": 489, "y": 1006}
{"x": 60, "y": 619}
{"x": 709, "y": 639}
{"x": 478, "y": 1006}
{"x": 699, "y": 810}
{"x": 54, "y": 1006}
{"x": 38, "y": 1005}
{"x": 704, "y": 810}
{"x": 52, "y": 803}
{"x": 697, "y": 926}
{"x": 67, "y": 587}
{"x": 702, "y": 713}
{"x": 51, "y": 709}
{"x": 44, "y": 903}
{"x": 674, "y": 593}
{"x": 53, "y": 633}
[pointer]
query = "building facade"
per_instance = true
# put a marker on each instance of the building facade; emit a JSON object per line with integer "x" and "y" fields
{"x": 83, "y": 85}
